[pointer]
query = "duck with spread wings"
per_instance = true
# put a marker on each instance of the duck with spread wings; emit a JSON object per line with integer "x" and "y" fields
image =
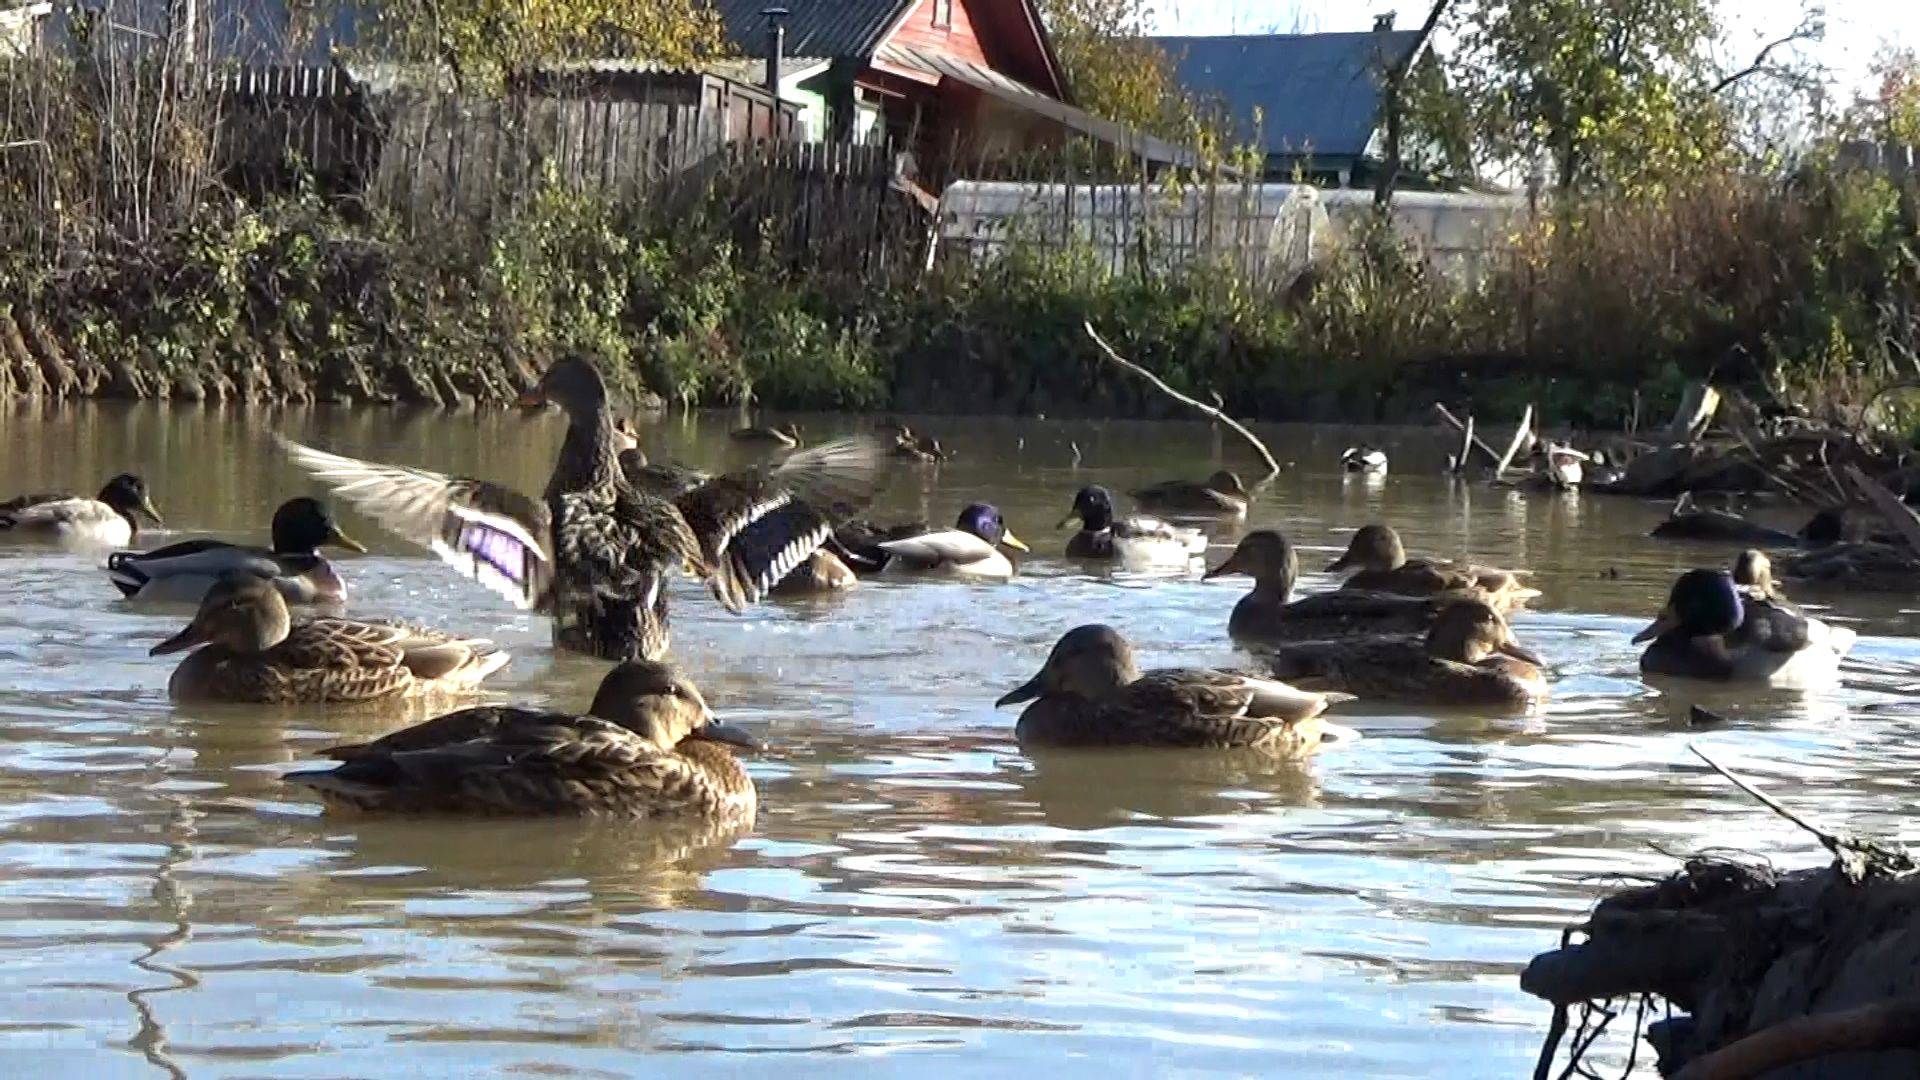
{"x": 596, "y": 551}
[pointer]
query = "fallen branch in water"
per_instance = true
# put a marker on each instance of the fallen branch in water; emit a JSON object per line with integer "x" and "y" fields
{"x": 1273, "y": 467}
{"x": 1857, "y": 858}
{"x": 1897, "y": 513}
{"x": 1466, "y": 429}
{"x": 1520, "y": 435}
{"x": 1886, "y": 1025}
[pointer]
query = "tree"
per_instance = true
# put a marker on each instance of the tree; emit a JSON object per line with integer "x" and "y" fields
{"x": 493, "y": 38}
{"x": 1612, "y": 93}
{"x": 1113, "y": 70}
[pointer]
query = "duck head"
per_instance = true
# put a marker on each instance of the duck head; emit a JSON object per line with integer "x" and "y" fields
{"x": 1227, "y": 483}
{"x": 1703, "y": 603}
{"x": 1092, "y": 509}
{"x": 1090, "y": 662}
{"x": 303, "y": 524}
{"x": 128, "y": 495}
{"x": 1265, "y": 556}
{"x": 242, "y": 612}
{"x": 1469, "y": 631}
{"x": 1374, "y": 547}
{"x": 1753, "y": 570}
{"x": 572, "y": 383}
{"x": 658, "y": 702}
{"x": 983, "y": 520}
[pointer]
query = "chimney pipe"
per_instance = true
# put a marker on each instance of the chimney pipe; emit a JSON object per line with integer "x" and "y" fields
{"x": 1383, "y": 22}
{"x": 776, "y": 46}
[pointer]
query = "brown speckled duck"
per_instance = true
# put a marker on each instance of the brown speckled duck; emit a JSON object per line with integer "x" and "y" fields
{"x": 648, "y": 747}
{"x": 596, "y": 551}
{"x": 248, "y": 649}
{"x": 1469, "y": 658}
{"x": 1219, "y": 495}
{"x": 1269, "y": 614}
{"x": 1381, "y": 565}
{"x": 1091, "y": 693}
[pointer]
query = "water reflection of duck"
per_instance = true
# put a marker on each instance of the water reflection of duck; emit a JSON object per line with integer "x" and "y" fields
{"x": 1268, "y": 614}
{"x": 1381, "y": 564}
{"x": 183, "y": 572}
{"x": 971, "y": 549}
{"x": 1093, "y": 788}
{"x": 1134, "y": 541}
{"x": 1091, "y": 693}
{"x": 1712, "y": 628}
{"x": 1469, "y": 658}
{"x": 647, "y": 747}
{"x": 596, "y": 552}
{"x": 110, "y": 519}
{"x": 1219, "y": 495}
{"x": 247, "y": 648}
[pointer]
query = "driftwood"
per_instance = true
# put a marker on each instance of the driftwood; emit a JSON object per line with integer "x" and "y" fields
{"x": 1695, "y": 415}
{"x": 1897, "y": 513}
{"x": 1887, "y": 1025}
{"x": 1521, "y": 435}
{"x": 1466, "y": 430}
{"x": 1273, "y": 466}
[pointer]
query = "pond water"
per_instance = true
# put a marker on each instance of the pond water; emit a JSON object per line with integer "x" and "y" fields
{"x": 917, "y": 896}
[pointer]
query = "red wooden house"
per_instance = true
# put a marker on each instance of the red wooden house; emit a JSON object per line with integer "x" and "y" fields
{"x": 944, "y": 78}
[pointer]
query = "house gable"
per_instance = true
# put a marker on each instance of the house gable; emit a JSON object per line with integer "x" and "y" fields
{"x": 1005, "y": 35}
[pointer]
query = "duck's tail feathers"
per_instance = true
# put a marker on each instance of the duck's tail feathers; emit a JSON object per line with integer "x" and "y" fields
{"x": 125, "y": 573}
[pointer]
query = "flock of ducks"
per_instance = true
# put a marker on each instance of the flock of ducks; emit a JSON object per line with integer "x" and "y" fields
{"x": 594, "y": 551}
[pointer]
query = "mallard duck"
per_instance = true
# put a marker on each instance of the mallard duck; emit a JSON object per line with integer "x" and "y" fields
{"x": 596, "y": 552}
{"x": 1381, "y": 562}
{"x": 648, "y": 747}
{"x": 1557, "y": 465}
{"x": 859, "y": 542}
{"x": 109, "y": 519}
{"x": 1689, "y": 521}
{"x": 1469, "y": 657}
{"x": 182, "y": 573}
{"x": 1364, "y": 458}
{"x": 820, "y": 572}
{"x": 249, "y": 649}
{"x": 1713, "y": 629}
{"x": 972, "y": 548}
{"x": 1753, "y": 573}
{"x": 1268, "y": 613}
{"x": 1133, "y": 541}
{"x": 924, "y": 449}
{"x": 668, "y": 480}
{"x": 1219, "y": 495}
{"x": 783, "y": 437}
{"x": 1090, "y": 693}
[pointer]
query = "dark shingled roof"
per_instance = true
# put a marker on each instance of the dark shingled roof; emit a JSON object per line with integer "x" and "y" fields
{"x": 1317, "y": 93}
{"x": 828, "y": 29}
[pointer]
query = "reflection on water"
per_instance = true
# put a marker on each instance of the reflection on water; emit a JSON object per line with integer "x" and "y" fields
{"x": 915, "y": 886}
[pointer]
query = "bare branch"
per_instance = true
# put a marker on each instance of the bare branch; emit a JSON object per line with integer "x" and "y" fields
{"x": 1273, "y": 467}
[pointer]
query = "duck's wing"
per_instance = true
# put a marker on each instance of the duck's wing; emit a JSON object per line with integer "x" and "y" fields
{"x": 1218, "y": 706}
{"x": 755, "y": 525}
{"x": 21, "y": 502}
{"x": 461, "y": 726}
{"x": 662, "y": 481}
{"x": 64, "y": 510}
{"x": 344, "y": 645}
{"x": 491, "y": 533}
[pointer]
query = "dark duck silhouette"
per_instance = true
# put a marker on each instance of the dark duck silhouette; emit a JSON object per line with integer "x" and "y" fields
{"x": 595, "y": 551}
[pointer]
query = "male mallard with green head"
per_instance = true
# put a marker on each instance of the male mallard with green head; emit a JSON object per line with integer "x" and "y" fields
{"x": 1134, "y": 541}
{"x": 973, "y": 548}
{"x": 1219, "y": 495}
{"x": 1381, "y": 562}
{"x": 248, "y": 649}
{"x": 109, "y": 519}
{"x": 1269, "y": 614}
{"x": 595, "y": 553}
{"x": 648, "y": 747}
{"x": 1468, "y": 658}
{"x": 1718, "y": 630}
{"x": 1091, "y": 693}
{"x": 182, "y": 573}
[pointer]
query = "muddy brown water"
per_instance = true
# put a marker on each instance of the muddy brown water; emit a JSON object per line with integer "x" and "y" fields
{"x": 918, "y": 897}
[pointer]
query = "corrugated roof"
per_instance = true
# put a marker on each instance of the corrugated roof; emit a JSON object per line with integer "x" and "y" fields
{"x": 830, "y": 28}
{"x": 1316, "y": 93}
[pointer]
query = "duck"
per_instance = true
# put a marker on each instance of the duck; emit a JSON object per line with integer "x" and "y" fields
{"x": 1753, "y": 574}
{"x": 923, "y": 449}
{"x": 1364, "y": 458}
{"x": 662, "y": 480}
{"x": 858, "y": 542}
{"x": 1090, "y": 692}
{"x": 973, "y": 548}
{"x": 595, "y": 552}
{"x": 821, "y": 573}
{"x": 1381, "y": 564}
{"x": 1219, "y": 495}
{"x": 1269, "y": 614}
{"x": 183, "y": 572}
{"x": 1557, "y": 465}
{"x": 247, "y": 648}
{"x": 1468, "y": 658}
{"x": 648, "y": 747}
{"x": 110, "y": 519}
{"x": 1134, "y": 541}
{"x": 782, "y": 437}
{"x": 1714, "y": 629}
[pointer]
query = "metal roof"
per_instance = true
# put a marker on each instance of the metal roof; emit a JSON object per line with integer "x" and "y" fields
{"x": 1316, "y": 93}
{"x": 830, "y": 28}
